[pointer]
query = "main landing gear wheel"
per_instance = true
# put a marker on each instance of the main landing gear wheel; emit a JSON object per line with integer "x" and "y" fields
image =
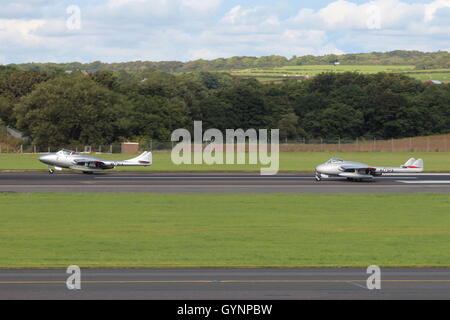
{"x": 51, "y": 171}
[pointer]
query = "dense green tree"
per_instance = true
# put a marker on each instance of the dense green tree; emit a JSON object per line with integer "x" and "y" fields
{"x": 6, "y": 111}
{"x": 158, "y": 84}
{"x": 105, "y": 78}
{"x": 433, "y": 110}
{"x": 107, "y": 106}
{"x": 289, "y": 127}
{"x": 339, "y": 120}
{"x": 248, "y": 107}
{"x": 18, "y": 84}
{"x": 157, "y": 117}
{"x": 217, "y": 113}
{"x": 72, "y": 109}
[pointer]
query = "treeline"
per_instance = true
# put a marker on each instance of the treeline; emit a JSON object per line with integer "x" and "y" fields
{"x": 105, "y": 107}
{"x": 422, "y": 60}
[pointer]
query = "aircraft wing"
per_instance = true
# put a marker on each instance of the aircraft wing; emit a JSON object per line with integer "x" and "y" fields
{"x": 351, "y": 171}
{"x": 82, "y": 160}
{"x": 349, "y": 168}
{"x": 365, "y": 169}
{"x": 356, "y": 175}
{"x": 96, "y": 164}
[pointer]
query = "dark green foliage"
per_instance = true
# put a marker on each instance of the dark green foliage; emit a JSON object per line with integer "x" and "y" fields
{"x": 14, "y": 84}
{"x": 58, "y": 109}
{"x": 72, "y": 109}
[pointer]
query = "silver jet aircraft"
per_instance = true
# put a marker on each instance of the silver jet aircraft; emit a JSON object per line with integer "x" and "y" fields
{"x": 67, "y": 159}
{"x": 356, "y": 171}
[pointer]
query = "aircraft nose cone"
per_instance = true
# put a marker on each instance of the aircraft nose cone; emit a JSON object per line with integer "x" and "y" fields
{"x": 45, "y": 159}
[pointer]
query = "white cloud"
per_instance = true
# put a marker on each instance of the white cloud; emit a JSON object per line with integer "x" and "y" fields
{"x": 122, "y": 30}
{"x": 432, "y": 8}
{"x": 201, "y": 5}
{"x": 380, "y": 25}
{"x": 31, "y": 9}
{"x": 20, "y": 31}
{"x": 147, "y": 9}
{"x": 255, "y": 17}
{"x": 195, "y": 5}
{"x": 346, "y": 15}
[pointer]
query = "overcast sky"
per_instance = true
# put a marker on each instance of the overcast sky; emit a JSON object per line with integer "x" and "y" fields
{"x": 128, "y": 30}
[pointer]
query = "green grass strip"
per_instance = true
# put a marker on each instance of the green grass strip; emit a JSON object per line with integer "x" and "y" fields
{"x": 145, "y": 230}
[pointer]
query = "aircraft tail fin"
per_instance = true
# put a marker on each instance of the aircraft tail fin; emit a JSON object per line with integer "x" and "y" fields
{"x": 408, "y": 163}
{"x": 414, "y": 165}
{"x": 419, "y": 164}
{"x": 145, "y": 159}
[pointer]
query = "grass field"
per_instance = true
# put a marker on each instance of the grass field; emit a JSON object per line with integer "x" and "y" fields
{"x": 101, "y": 230}
{"x": 274, "y": 74}
{"x": 289, "y": 161}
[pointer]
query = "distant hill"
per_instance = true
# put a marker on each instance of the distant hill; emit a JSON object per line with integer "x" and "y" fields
{"x": 420, "y": 60}
{"x": 434, "y": 76}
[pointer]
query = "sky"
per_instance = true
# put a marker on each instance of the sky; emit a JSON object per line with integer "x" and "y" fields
{"x": 183, "y": 30}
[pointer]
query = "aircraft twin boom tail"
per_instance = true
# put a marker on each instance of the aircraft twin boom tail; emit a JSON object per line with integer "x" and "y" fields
{"x": 414, "y": 164}
{"x": 411, "y": 166}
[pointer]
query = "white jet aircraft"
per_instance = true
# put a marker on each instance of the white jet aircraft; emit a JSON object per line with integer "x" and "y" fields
{"x": 356, "y": 171}
{"x": 67, "y": 159}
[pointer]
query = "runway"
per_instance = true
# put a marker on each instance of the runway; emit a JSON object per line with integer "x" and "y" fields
{"x": 226, "y": 284}
{"x": 208, "y": 183}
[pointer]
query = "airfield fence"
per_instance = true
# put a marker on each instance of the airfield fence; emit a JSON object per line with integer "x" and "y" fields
{"x": 421, "y": 144}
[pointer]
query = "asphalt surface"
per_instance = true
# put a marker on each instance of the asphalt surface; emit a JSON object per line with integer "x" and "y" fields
{"x": 225, "y": 284}
{"x": 217, "y": 183}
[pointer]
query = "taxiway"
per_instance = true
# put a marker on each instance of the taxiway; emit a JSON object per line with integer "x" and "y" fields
{"x": 226, "y": 284}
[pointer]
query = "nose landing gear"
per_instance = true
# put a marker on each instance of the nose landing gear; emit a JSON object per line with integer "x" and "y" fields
{"x": 318, "y": 177}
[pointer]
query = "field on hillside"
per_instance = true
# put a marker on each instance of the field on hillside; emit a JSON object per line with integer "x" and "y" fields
{"x": 300, "y": 72}
{"x": 289, "y": 161}
{"x": 105, "y": 230}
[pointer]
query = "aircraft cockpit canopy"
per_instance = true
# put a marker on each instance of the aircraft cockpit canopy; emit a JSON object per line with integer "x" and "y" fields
{"x": 65, "y": 152}
{"x": 335, "y": 160}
